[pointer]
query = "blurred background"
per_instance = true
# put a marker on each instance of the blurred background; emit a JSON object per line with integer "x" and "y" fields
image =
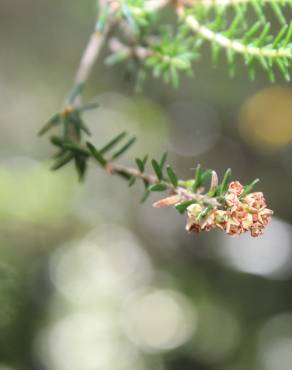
{"x": 92, "y": 280}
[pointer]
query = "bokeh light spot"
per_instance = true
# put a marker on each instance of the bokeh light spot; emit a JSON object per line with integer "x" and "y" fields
{"x": 194, "y": 127}
{"x": 268, "y": 255}
{"x": 159, "y": 320}
{"x": 275, "y": 343}
{"x": 109, "y": 262}
{"x": 215, "y": 318}
{"x": 265, "y": 119}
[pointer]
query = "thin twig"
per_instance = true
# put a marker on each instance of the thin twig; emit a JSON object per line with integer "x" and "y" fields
{"x": 91, "y": 54}
{"x": 185, "y": 194}
{"x": 140, "y": 52}
{"x": 88, "y": 59}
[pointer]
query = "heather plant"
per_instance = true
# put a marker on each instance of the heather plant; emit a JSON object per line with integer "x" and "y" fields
{"x": 254, "y": 32}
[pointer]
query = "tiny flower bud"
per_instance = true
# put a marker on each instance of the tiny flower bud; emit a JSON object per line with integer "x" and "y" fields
{"x": 235, "y": 187}
{"x": 194, "y": 210}
{"x": 255, "y": 200}
{"x": 231, "y": 199}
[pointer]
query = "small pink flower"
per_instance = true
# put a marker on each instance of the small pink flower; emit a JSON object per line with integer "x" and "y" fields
{"x": 256, "y": 229}
{"x": 242, "y": 216}
{"x": 235, "y": 187}
{"x": 237, "y": 215}
{"x": 209, "y": 221}
{"x": 233, "y": 227}
{"x": 194, "y": 223}
{"x": 193, "y": 212}
{"x": 247, "y": 222}
{"x": 255, "y": 200}
{"x": 264, "y": 216}
{"x": 231, "y": 199}
{"x": 221, "y": 218}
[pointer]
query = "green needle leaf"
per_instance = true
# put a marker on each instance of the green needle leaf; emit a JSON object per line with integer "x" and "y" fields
{"x": 157, "y": 169}
{"x": 55, "y": 120}
{"x": 57, "y": 141}
{"x": 84, "y": 127}
{"x": 62, "y": 161}
{"x": 172, "y": 176}
{"x": 163, "y": 160}
{"x": 76, "y": 149}
{"x": 69, "y": 146}
{"x": 157, "y": 187}
{"x": 88, "y": 106}
{"x": 205, "y": 212}
{"x": 145, "y": 159}
{"x": 224, "y": 184}
{"x": 113, "y": 143}
{"x": 145, "y": 196}
{"x": 248, "y": 188}
{"x": 132, "y": 181}
{"x": 181, "y": 207}
{"x": 206, "y": 175}
{"x": 81, "y": 167}
{"x": 75, "y": 118}
{"x": 140, "y": 165}
{"x": 197, "y": 181}
{"x": 96, "y": 154}
{"x": 124, "y": 148}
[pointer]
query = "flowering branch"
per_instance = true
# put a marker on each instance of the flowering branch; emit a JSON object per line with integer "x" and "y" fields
{"x": 209, "y": 204}
{"x": 227, "y": 205}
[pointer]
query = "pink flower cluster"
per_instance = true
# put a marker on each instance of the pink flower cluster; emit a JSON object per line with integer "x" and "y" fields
{"x": 238, "y": 215}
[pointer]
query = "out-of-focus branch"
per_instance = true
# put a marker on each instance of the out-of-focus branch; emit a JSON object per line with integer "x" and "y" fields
{"x": 98, "y": 39}
{"x": 140, "y": 52}
{"x": 90, "y": 55}
{"x": 88, "y": 59}
{"x": 137, "y": 51}
{"x": 235, "y": 45}
{"x": 92, "y": 51}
